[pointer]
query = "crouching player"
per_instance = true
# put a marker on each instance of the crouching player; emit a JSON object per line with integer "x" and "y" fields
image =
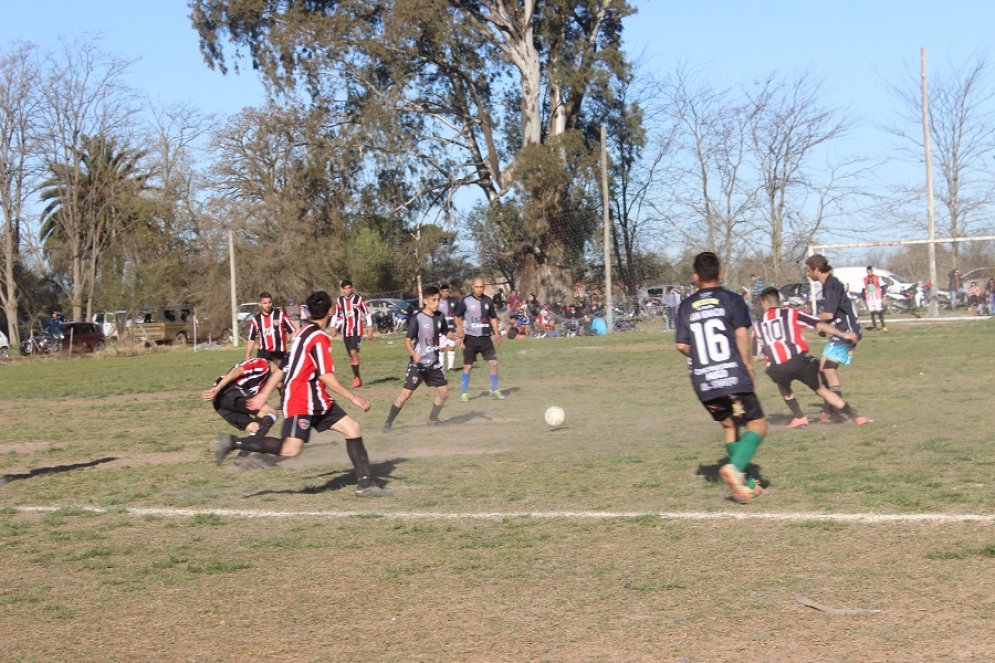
{"x": 713, "y": 332}
{"x": 779, "y": 336}
{"x": 426, "y": 331}
{"x": 230, "y": 394}
{"x": 307, "y": 405}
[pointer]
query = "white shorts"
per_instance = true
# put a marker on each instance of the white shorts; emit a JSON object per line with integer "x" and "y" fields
{"x": 875, "y": 305}
{"x": 446, "y": 342}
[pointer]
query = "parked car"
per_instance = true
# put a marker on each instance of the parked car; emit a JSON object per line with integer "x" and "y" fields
{"x": 384, "y": 305}
{"x": 110, "y": 322}
{"x": 797, "y": 295}
{"x": 81, "y": 336}
{"x": 174, "y": 325}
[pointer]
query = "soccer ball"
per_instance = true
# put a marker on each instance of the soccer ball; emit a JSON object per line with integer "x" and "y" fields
{"x": 555, "y": 415}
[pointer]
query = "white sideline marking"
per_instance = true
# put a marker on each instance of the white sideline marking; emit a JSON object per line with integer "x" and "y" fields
{"x": 872, "y": 518}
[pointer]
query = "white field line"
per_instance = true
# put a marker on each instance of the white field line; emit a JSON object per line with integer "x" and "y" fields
{"x": 867, "y": 518}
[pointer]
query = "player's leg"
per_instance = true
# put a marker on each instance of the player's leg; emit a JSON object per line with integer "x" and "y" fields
{"x": 353, "y": 433}
{"x": 296, "y": 432}
{"x": 830, "y": 376}
{"x": 469, "y": 356}
{"x": 745, "y": 447}
{"x": 784, "y": 374}
{"x": 357, "y": 381}
{"x": 395, "y": 407}
{"x": 441, "y": 396}
{"x": 490, "y": 354}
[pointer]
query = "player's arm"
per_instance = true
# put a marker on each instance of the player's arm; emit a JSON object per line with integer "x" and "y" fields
{"x": 332, "y": 382}
{"x": 830, "y": 330}
{"x": 258, "y": 402}
{"x": 229, "y": 377}
{"x": 744, "y": 343}
{"x": 458, "y": 319}
{"x": 251, "y": 343}
{"x": 366, "y": 316}
{"x": 410, "y": 338}
{"x": 683, "y": 348}
{"x": 336, "y": 320}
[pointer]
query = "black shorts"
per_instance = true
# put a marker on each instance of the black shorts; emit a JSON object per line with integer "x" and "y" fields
{"x": 352, "y": 342}
{"x": 417, "y": 374}
{"x": 230, "y": 404}
{"x": 271, "y": 355}
{"x": 741, "y": 407}
{"x": 301, "y": 425}
{"x": 804, "y": 368}
{"x": 474, "y": 345}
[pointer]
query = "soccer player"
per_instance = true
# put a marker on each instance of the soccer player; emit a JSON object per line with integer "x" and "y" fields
{"x": 231, "y": 391}
{"x": 448, "y": 304}
{"x": 779, "y": 336}
{"x": 352, "y": 317}
{"x": 426, "y": 329}
{"x": 713, "y": 332}
{"x": 476, "y": 327}
{"x": 837, "y": 310}
{"x": 874, "y": 296}
{"x": 307, "y": 405}
{"x": 271, "y": 327}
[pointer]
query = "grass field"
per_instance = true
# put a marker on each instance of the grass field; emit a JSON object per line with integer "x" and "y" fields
{"x": 609, "y": 539}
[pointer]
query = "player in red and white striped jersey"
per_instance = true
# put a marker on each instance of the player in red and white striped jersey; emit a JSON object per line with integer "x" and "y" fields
{"x": 231, "y": 391}
{"x": 353, "y": 318}
{"x": 270, "y": 329}
{"x": 307, "y": 403}
{"x": 779, "y": 337}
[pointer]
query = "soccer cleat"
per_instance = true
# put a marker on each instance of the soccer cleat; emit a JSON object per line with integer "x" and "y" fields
{"x": 497, "y": 395}
{"x": 824, "y": 417}
{"x": 242, "y": 457}
{"x": 834, "y": 418}
{"x": 385, "y": 429}
{"x": 373, "y": 490}
{"x": 434, "y": 422}
{"x": 357, "y": 383}
{"x": 737, "y": 483}
{"x": 756, "y": 491}
{"x": 884, "y": 329}
{"x": 861, "y": 421}
{"x": 798, "y": 422}
{"x": 465, "y": 397}
{"x": 226, "y": 445}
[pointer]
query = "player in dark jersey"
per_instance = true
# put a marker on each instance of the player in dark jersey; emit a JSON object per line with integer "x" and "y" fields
{"x": 476, "y": 329}
{"x": 270, "y": 328}
{"x": 353, "y": 318}
{"x": 713, "y": 332}
{"x": 780, "y": 339}
{"x": 839, "y": 312}
{"x": 307, "y": 405}
{"x": 447, "y": 305}
{"x": 426, "y": 329}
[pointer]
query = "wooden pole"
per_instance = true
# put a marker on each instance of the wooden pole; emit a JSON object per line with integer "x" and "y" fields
{"x": 609, "y": 313}
{"x": 934, "y": 309}
{"x": 234, "y": 295}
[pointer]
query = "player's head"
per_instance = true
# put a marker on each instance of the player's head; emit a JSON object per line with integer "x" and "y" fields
{"x": 870, "y": 270}
{"x": 477, "y": 287}
{"x": 770, "y": 298}
{"x": 707, "y": 269}
{"x": 816, "y": 265}
{"x": 444, "y": 290}
{"x": 319, "y": 304}
{"x": 266, "y": 302}
{"x": 346, "y": 287}
{"x": 430, "y": 299}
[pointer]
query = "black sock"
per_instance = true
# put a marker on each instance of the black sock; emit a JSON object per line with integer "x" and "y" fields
{"x": 394, "y": 411}
{"x": 881, "y": 315}
{"x": 360, "y": 461}
{"x": 264, "y": 425}
{"x": 355, "y": 370}
{"x": 434, "y": 415}
{"x": 263, "y": 445}
{"x": 848, "y": 411}
{"x": 795, "y": 408}
{"x": 839, "y": 392}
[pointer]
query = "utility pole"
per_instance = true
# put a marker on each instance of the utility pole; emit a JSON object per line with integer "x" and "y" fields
{"x": 234, "y": 302}
{"x": 934, "y": 309}
{"x": 609, "y": 313}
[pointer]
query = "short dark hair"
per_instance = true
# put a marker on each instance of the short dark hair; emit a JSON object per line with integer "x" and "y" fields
{"x": 319, "y": 304}
{"x": 771, "y": 294}
{"x": 869, "y": 268}
{"x": 707, "y": 266}
{"x": 444, "y": 286}
{"x": 264, "y": 295}
{"x": 344, "y": 283}
{"x": 819, "y": 263}
{"x": 430, "y": 291}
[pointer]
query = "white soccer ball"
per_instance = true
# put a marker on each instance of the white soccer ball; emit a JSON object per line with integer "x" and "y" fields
{"x": 555, "y": 415}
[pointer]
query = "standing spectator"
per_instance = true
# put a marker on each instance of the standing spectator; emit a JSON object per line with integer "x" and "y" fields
{"x": 55, "y": 325}
{"x": 713, "y": 331}
{"x": 293, "y": 311}
{"x": 953, "y": 285}
{"x": 533, "y": 308}
{"x": 447, "y": 304}
{"x": 270, "y": 329}
{"x": 671, "y": 300}
{"x": 426, "y": 329}
{"x": 307, "y": 405}
{"x": 874, "y": 296}
{"x": 990, "y": 296}
{"x": 839, "y": 312}
{"x": 973, "y": 296}
{"x": 515, "y": 302}
{"x": 350, "y": 316}
{"x": 477, "y": 329}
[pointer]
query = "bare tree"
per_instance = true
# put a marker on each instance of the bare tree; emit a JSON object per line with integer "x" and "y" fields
{"x": 19, "y": 109}
{"x": 962, "y": 137}
{"x": 84, "y": 97}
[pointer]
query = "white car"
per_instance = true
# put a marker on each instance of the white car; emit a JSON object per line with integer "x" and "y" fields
{"x": 109, "y": 321}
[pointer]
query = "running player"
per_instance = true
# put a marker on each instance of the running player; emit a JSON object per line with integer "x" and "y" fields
{"x": 448, "y": 304}
{"x": 270, "y": 327}
{"x": 839, "y": 311}
{"x": 874, "y": 296}
{"x": 476, "y": 327}
{"x": 713, "y": 332}
{"x": 426, "y": 329}
{"x": 307, "y": 405}
{"x": 779, "y": 336}
{"x": 352, "y": 317}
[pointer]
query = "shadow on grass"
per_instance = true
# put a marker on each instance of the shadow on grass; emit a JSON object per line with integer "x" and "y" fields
{"x": 711, "y": 472}
{"x": 7, "y": 478}
{"x": 339, "y": 481}
{"x": 464, "y": 418}
{"x": 487, "y": 394}
{"x": 370, "y": 383}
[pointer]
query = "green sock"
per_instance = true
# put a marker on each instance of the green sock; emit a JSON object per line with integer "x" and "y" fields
{"x": 746, "y": 447}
